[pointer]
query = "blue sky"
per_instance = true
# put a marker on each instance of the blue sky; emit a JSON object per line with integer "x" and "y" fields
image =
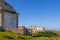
{"x": 44, "y": 13}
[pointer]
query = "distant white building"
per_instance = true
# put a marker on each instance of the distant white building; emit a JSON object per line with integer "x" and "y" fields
{"x": 34, "y": 28}
{"x": 40, "y": 28}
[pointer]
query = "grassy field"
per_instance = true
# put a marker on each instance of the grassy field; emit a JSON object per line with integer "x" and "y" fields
{"x": 13, "y": 36}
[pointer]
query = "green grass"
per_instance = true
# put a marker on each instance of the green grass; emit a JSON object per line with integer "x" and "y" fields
{"x": 13, "y": 36}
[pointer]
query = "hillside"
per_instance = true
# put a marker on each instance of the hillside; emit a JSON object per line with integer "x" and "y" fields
{"x": 13, "y": 36}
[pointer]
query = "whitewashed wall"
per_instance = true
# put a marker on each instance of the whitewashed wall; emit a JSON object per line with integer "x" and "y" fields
{"x": 9, "y": 20}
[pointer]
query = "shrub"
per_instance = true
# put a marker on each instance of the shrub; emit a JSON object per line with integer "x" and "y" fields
{"x": 45, "y": 34}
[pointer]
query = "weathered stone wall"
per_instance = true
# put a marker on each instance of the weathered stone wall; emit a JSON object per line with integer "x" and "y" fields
{"x": 19, "y": 30}
{"x": 16, "y": 30}
{"x": 10, "y": 20}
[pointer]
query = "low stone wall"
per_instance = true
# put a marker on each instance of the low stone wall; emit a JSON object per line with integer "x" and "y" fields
{"x": 19, "y": 30}
{"x": 15, "y": 30}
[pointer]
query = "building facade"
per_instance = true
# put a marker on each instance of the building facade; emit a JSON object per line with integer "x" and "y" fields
{"x": 8, "y": 16}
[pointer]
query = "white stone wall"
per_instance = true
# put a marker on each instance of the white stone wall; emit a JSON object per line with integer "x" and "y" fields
{"x": 9, "y": 20}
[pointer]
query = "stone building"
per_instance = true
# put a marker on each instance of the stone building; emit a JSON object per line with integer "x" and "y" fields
{"x": 8, "y": 16}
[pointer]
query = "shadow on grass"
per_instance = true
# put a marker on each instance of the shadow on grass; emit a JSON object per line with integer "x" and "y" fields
{"x": 8, "y": 37}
